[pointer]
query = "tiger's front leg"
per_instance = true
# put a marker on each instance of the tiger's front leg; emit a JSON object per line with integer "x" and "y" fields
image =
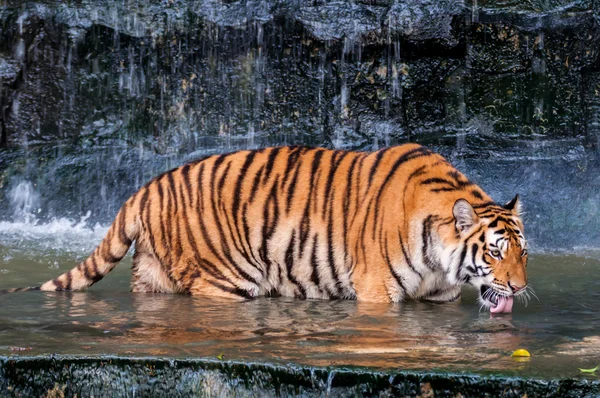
{"x": 444, "y": 296}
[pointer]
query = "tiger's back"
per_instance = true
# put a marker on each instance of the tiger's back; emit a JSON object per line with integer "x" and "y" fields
{"x": 292, "y": 221}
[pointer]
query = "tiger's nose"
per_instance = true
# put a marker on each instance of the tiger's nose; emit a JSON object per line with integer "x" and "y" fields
{"x": 515, "y": 288}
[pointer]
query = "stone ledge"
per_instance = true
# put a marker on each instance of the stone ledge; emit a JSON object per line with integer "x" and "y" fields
{"x": 117, "y": 376}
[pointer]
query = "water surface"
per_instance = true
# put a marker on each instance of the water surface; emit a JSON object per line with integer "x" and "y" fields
{"x": 561, "y": 330}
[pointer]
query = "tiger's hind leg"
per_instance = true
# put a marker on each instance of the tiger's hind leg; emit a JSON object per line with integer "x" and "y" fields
{"x": 149, "y": 276}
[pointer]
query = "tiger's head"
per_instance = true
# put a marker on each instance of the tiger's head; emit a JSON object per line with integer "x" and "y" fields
{"x": 492, "y": 252}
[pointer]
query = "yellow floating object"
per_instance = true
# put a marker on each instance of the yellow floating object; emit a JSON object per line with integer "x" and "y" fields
{"x": 592, "y": 370}
{"x": 521, "y": 353}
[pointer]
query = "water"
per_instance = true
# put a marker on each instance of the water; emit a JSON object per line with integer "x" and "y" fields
{"x": 560, "y": 330}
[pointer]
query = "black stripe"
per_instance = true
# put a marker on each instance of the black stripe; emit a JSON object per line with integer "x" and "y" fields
{"x": 346, "y": 207}
{"x": 143, "y": 199}
{"x": 268, "y": 227}
{"x": 292, "y": 160}
{"x": 305, "y": 224}
{"x": 292, "y": 185}
{"x": 233, "y": 223}
{"x": 328, "y": 185}
{"x": 82, "y": 267}
{"x": 169, "y": 231}
{"x": 484, "y": 259}
{"x": 491, "y": 215}
{"x": 412, "y": 154}
{"x": 330, "y": 255}
{"x": 122, "y": 234}
{"x": 237, "y": 198}
{"x": 178, "y": 250}
{"x": 148, "y": 225}
{"x": 396, "y": 276}
{"x": 455, "y": 174}
{"x": 20, "y": 289}
{"x": 463, "y": 254}
{"x": 69, "y": 283}
{"x": 477, "y": 194}
{"x": 289, "y": 264}
{"x": 109, "y": 258}
{"x": 375, "y": 165}
{"x": 213, "y": 270}
{"x": 406, "y": 257}
{"x": 427, "y": 239}
{"x": 238, "y": 184}
{"x": 223, "y": 241}
{"x": 97, "y": 275}
{"x": 190, "y": 238}
{"x": 314, "y": 261}
{"x": 436, "y": 180}
{"x": 257, "y": 178}
{"x": 246, "y": 229}
{"x": 185, "y": 173}
{"x": 235, "y": 291}
{"x": 270, "y": 162}
{"x": 474, "y": 249}
{"x": 486, "y": 204}
{"x": 358, "y": 184}
{"x": 163, "y": 233}
{"x": 58, "y": 284}
{"x": 222, "y": 180}
{"x": 416, "y": 173}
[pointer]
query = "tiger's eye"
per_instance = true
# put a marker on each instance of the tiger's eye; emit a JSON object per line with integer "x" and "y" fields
{"x": 495, "y": 253}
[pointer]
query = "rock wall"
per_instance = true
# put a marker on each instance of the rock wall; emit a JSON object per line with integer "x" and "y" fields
{"x": 355, "y": 74}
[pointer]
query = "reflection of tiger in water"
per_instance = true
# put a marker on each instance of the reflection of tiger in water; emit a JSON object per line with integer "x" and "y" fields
{"x": 315, "y": 223}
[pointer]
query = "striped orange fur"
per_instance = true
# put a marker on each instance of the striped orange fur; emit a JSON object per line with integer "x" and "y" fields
{"x": 314, "y": 223}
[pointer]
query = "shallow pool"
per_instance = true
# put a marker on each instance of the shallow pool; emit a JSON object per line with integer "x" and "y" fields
{"x": 561, "y": 329}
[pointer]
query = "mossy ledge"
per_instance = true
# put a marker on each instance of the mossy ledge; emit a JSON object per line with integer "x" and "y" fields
{"x": 64, "y": 376}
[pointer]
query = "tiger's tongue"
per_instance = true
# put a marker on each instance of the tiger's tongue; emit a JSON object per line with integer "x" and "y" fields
{"x": 504, "y": 305}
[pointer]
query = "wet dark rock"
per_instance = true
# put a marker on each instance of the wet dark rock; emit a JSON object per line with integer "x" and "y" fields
{"x": 9, "y": 70}
{"x": 535, "y": 6}
{"x": 168, "y": 73}
{"x": 9, "y": 73}
{"x": 591, "y": 84}
{"x": 112, "y": 376}
{"x": 426, "y": 20}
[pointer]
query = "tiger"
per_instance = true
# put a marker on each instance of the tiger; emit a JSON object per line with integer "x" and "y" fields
{"x": 397, "y": 224}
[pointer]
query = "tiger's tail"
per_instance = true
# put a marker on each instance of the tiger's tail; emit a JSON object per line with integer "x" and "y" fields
{"x": 121, "y": 234}
{"x": 19, "y": 289}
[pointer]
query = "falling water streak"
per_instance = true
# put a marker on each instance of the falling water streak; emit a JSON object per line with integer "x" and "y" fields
{"x": 330, "y": 381}
{"x": 24, "y": 202}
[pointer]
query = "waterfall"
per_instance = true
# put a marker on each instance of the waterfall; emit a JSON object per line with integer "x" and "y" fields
{"x": 24, "y": 202}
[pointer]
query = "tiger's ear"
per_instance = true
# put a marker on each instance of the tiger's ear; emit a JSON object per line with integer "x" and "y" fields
{"x": 464, "y": 215}
{"x": 514, "y": 205}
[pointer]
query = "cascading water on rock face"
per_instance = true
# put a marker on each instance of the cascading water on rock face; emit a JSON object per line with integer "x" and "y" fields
{"x": 24, "y": 202}
{"x": 54, "y": 234}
